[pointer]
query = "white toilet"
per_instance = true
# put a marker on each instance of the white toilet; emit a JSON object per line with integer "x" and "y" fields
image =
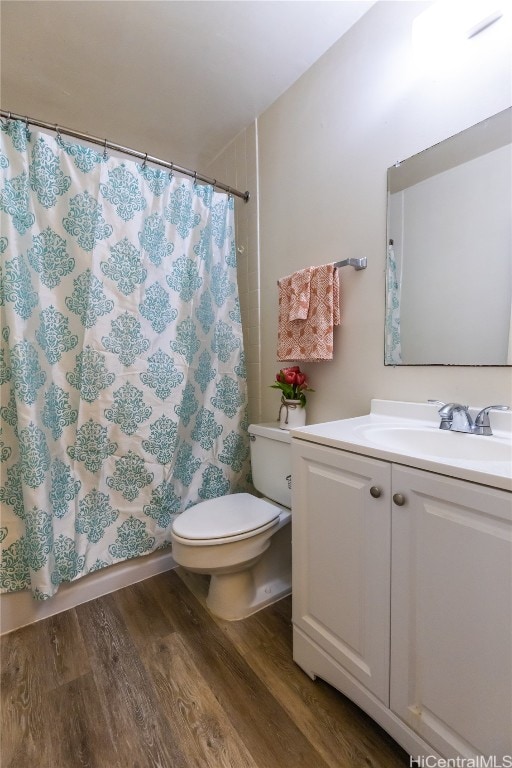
{"x": 242, "y": 541}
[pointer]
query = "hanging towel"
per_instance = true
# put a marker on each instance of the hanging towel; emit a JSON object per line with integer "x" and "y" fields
{"x": 310, "y": 338}
{"x": 298, "y": 287}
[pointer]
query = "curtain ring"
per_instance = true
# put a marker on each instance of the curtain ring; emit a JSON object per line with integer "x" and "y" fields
{"x": 27, "y": 132}
{"x": 171, "y": 172}
{"x": 195, "y": 178}
{"x": 57, "y": 131}
{"x": 105, "y": 156}
{"x": 145, "y": 161}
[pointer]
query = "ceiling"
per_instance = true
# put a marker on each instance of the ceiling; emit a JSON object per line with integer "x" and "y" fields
{"x": 176, "y": 79}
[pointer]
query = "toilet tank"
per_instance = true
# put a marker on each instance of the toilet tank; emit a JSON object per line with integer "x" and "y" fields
{"x": 271, "y": 462}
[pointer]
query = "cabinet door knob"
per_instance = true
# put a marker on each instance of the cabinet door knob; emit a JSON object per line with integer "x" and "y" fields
{"x": 375, "y": 491}
{"x": 399, "y": 499}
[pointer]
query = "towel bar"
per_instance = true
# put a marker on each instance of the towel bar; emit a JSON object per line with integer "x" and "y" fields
{"x": 356, "y": 263}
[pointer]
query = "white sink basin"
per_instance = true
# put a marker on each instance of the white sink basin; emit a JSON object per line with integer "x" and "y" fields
{"x": 434, "y": 442}
{"x": 408, "y": 433}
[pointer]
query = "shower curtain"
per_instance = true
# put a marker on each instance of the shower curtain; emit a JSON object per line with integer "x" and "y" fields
{"x": 393, "y": 347}
{"x": 122, "y": 368}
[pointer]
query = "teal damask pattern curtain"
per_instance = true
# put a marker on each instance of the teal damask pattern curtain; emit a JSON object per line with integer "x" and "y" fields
{"x": 122, "y": 368}
{"x": 393, "y": 347}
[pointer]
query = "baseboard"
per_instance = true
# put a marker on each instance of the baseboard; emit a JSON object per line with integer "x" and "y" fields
{"x": 17, "y": 609}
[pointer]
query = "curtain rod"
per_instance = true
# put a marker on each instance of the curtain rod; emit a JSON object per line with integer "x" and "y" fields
{"x": 127, "y": 151}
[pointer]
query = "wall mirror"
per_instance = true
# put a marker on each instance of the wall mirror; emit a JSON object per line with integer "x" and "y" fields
{"x": 449, "y": 258}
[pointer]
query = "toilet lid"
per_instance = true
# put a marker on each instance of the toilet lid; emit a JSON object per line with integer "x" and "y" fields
{"x": 225, "y": 516}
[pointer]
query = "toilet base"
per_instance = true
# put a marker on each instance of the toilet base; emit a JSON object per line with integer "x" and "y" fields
{"x": 227, "y": 596}
{"x": 236, "y": 595}
{"x": 199, "y": 585}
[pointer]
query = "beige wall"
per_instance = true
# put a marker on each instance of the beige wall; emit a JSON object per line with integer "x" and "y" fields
{"x": 323, "y": 149}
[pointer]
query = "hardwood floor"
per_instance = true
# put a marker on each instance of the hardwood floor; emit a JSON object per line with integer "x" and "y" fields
{"x": 146, "y": 678}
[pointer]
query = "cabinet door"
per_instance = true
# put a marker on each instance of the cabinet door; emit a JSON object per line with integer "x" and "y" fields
{"x": 341, "y": 551}
{"x": 451, "y": 596}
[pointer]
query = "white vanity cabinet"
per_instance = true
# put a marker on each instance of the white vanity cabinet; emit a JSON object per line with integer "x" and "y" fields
{"x": 341, "y": 559}
{"x": 405, "y": 607}
{"x": 451, "y": 613}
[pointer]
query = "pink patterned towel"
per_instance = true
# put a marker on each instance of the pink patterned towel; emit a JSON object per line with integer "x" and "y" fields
{"x": 309, "y": 338}
{"x": 298, "y": 287}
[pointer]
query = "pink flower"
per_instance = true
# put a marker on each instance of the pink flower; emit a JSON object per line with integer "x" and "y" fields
{"x": 292, "y": 383}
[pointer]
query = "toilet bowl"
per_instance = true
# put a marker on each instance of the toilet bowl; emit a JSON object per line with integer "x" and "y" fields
{"x": 241, "y": 541}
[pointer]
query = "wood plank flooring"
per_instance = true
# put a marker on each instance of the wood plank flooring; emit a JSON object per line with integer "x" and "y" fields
{"x": 146, "y": 678}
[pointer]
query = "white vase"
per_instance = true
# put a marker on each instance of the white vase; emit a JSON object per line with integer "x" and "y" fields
{"x": 291, "y": 414}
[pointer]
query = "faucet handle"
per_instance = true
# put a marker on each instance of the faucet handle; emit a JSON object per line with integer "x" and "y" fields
{"x": 482, "y": 421}
{"x": 446, "y": 422}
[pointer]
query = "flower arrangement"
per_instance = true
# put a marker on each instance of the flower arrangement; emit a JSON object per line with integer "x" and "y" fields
{"x": 293, "y": 384}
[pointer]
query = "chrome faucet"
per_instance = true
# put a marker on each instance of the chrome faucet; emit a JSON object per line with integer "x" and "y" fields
{"x": 457, "y": 418}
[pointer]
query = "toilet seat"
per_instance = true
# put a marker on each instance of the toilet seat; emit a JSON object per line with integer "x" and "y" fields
{"x": 226, "y": 518}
